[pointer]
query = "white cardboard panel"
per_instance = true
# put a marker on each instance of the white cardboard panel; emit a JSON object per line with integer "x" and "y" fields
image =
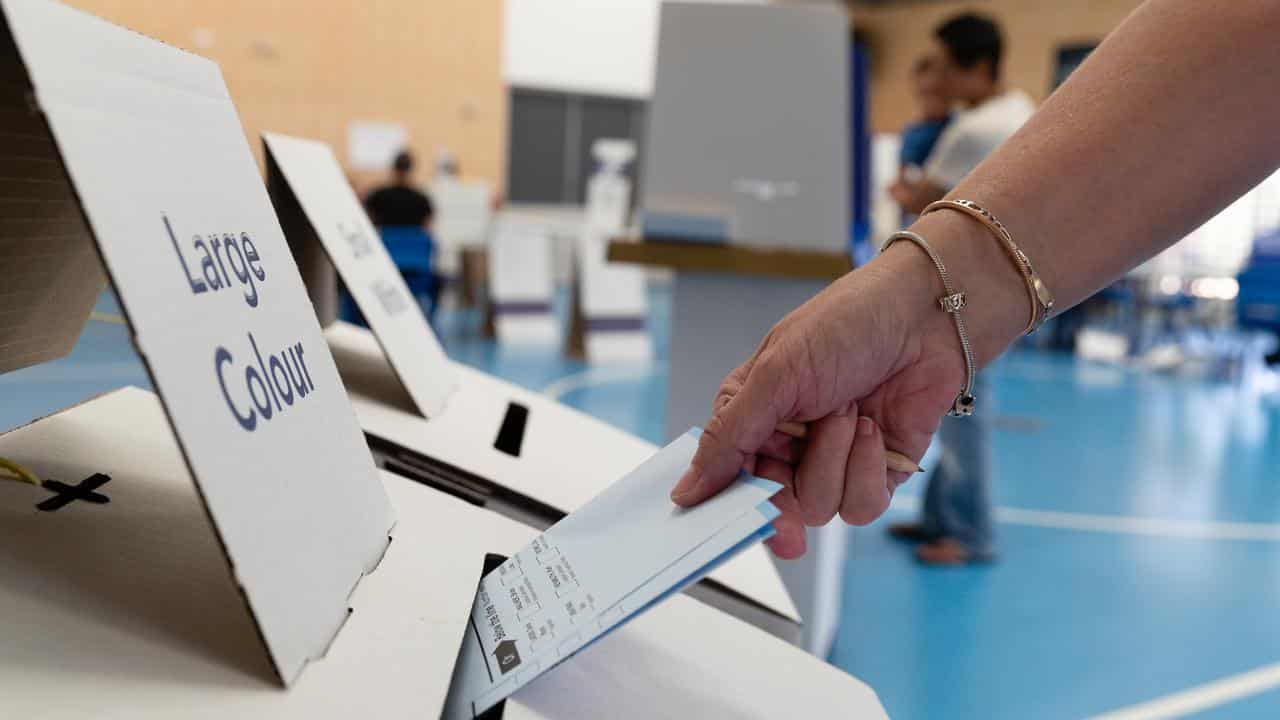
{"x": 521, "y": 283}
{"x": 614, "y": 304}
{"x": 567, "y": 458}
{"x": 101, "y": 621}
{"x": 464, "y": 210}
{"x": 159, "y": 162}
{"x": 366, "y": 268}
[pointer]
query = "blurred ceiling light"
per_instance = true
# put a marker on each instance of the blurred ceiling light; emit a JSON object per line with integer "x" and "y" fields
{"x": 1170, "y": 284}
{"x": 1215, "y": 288}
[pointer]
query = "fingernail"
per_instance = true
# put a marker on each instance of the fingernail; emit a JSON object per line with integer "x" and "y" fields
{"x": 688, "y": 483}
{"x": 866, "y": 426}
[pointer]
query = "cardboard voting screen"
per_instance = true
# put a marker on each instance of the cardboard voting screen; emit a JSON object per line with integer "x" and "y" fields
{"x": 522, "y": 282}
{"x": 312, "y": 172}
{"x": 157, "y": 163}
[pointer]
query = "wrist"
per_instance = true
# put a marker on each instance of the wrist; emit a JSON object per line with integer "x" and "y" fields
{"x": 996, "y": 302}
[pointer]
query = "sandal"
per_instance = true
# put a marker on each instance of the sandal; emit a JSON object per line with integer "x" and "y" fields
{"x": 945, "y": 551}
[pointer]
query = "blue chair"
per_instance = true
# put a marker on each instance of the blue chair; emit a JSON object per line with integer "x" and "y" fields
{"x": 1258, "y": 305}
{"x": 412, "y": 249}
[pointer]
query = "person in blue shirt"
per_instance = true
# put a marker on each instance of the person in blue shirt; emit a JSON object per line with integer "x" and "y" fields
{"x": 919, "y": 138}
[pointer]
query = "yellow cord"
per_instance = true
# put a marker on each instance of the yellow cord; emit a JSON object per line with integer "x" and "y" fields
{"x": 17, "y": 472}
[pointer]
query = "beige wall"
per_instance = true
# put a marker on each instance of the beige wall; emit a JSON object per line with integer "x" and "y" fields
{"x": 1033, "y": 31}
{"x": 309, "y": 67}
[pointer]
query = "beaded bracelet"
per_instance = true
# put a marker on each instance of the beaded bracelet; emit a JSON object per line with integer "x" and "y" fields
{"x": 951, "y": 303}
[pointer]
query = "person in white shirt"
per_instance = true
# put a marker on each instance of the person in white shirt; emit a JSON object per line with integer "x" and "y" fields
{"x": 968, "y": 48}
{"x": 955, "y": 520}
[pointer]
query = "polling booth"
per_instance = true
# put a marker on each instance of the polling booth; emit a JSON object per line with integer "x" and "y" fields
{"x": 226, "y": 546}
{"x": 463, "y": 211}
{"x": 609, "y": 302}
{"x": 457, "y": 429}
{"x": 522, "y": 283}
{"x": 755, "y": 219}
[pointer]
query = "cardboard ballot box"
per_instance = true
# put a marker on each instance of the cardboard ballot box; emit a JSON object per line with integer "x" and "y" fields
{"x": 456, "y": 428}
{"x": 227, "y": 547}
{"x": 127, "y": 608}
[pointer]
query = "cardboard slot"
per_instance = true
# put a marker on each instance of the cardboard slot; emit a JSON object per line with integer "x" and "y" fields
{"x": 511, "y": 434}
{"x": 438, "y": 480}
{"x": 491, "y": 563}
{"x": 484, "y": 493}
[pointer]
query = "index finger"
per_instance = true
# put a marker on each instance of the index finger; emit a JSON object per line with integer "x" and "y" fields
{"x": 736, "y": 431}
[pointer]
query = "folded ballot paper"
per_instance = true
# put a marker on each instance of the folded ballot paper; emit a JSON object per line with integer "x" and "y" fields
{"x": 625, "y": 550}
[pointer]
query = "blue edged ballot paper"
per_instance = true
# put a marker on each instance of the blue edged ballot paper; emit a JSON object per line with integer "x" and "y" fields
{"x": 625, "y": 550}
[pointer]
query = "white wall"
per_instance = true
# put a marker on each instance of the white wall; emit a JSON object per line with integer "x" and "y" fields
{"x": 604, "y": 47}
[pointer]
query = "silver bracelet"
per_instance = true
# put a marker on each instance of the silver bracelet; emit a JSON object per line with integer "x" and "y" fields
{"x": 952, "y": 303}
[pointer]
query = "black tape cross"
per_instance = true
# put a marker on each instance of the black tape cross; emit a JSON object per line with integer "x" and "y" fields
{"x": 65, "y": 494}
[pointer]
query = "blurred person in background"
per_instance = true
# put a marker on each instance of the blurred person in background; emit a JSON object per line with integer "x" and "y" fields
{"x": 920, "y": 136}
{"x": 400, "y": 202}
{"x": 968, "y": 50}
{"x": 1168, "y": 121}
{"x": 955, "y": 520}
{"x": 403, "y": 214}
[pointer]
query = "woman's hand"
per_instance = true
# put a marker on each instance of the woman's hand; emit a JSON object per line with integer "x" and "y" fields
{"x": 871, "y": 363}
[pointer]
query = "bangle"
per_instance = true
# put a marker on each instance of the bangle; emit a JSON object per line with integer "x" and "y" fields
{"x": 1041, "y": 297}
{"x": 951, "y": 303}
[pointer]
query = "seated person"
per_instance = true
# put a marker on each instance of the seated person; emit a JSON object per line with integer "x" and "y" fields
{"x": 402, "y": 214}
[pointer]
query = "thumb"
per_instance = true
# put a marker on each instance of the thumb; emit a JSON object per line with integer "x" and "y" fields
{"x": 735, "y": 432}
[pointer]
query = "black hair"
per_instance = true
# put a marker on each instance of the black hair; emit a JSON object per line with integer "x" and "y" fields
{"x": 971, "y": 38}
{"x": 403, "y": 162}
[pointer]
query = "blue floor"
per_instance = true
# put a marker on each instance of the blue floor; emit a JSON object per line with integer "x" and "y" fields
{"x": 1071, "y": 622}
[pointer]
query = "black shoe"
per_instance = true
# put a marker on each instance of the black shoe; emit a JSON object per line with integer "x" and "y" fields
{"x": 911, "y": 532}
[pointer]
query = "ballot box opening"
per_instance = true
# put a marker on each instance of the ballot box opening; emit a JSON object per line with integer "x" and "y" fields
{"x": 492, "y": 561}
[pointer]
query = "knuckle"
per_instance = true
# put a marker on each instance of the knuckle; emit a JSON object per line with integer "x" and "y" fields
{"x": 715, "y": 432}
{"x": 814, "y": 513}
{"x": 866, "y": 511}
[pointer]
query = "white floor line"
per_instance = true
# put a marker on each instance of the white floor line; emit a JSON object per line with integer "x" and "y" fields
{"x": 1123, "y": 524}
{"x": 1201, "y": 697}
{"x": 595, "y": 376}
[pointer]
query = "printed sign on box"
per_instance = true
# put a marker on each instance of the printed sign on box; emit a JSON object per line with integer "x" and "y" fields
{"x": 352, "y": 244}
{"x": 146, "y": 145}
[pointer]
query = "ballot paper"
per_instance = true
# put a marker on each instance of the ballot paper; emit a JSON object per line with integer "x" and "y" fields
{"x": 625, "y": 550}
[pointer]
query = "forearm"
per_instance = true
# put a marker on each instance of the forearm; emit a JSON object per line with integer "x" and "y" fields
{"x": 1167, "y": 122}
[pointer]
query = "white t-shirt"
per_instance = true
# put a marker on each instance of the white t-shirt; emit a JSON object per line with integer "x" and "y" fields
{"x": 974, "y": 134}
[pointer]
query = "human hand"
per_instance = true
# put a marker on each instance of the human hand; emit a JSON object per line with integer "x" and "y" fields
{"x": 871, "y": 364}
{"x": 901, "y": 193}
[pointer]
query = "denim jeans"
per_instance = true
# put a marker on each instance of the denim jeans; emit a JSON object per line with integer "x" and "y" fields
{"x": 957, "y": 503}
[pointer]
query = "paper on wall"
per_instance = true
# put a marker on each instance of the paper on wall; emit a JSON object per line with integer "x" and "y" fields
{"x": 373, "y": 145}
